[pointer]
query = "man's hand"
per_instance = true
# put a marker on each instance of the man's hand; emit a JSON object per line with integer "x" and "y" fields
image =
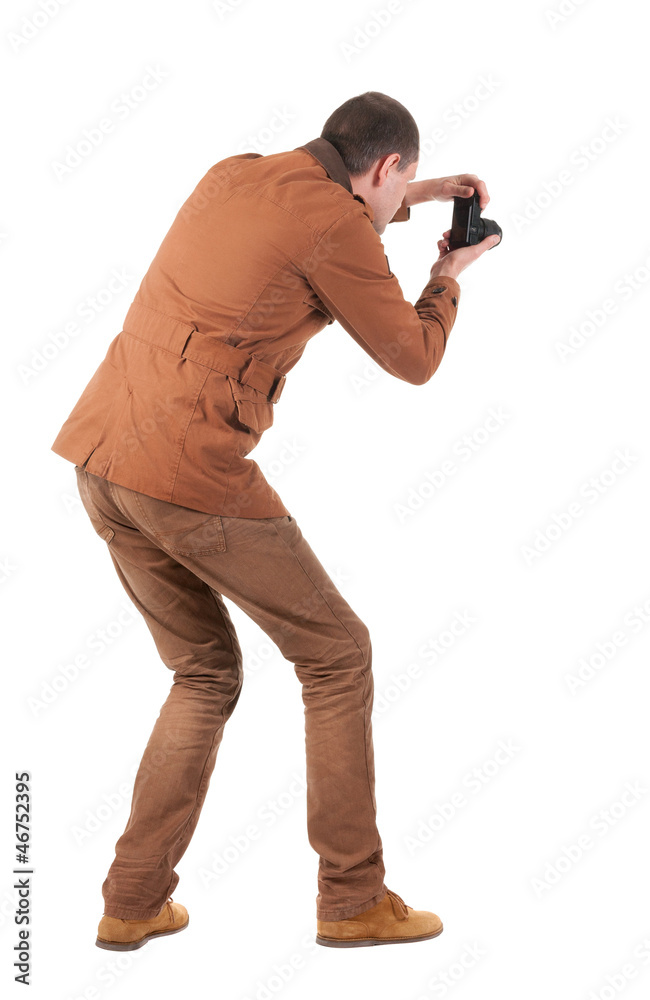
{"x": 451, "y": 262}
{"x": 446, "y": 188}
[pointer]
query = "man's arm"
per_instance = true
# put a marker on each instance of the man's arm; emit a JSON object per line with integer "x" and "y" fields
{"x": 440, "y": 189}
{"x": 445, "y": 189}
{"x": 349, "y": 272}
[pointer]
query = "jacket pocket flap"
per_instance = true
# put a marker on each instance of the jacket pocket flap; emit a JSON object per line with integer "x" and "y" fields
{"x": 254, "y": 409}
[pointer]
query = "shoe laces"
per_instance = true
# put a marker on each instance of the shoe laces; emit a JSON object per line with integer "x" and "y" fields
{"x": 400, "y": 908}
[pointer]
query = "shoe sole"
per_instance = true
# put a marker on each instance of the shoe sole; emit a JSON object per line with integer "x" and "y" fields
{"x": 132, "y": 945}
{"x": 364, "y": 942}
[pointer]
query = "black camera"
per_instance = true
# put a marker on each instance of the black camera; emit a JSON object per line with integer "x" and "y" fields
{"x": 467, "y": 226}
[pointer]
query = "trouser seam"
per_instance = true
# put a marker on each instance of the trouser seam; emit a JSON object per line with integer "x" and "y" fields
{"x": 366, "y": 662}
{"x": 319, "y": 591}
{"x": 217, "y": 730}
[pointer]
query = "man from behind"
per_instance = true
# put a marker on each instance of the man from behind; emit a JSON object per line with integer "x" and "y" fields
{"x": 265, "y": 253}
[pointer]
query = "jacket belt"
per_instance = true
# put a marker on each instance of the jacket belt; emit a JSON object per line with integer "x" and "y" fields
{"x": 185, "y": 341}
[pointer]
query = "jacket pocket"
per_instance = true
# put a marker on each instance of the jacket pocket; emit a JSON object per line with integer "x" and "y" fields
{"x": 254, "y": 410}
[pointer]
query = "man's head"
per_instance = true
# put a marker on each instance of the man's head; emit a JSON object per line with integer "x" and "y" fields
{"x": 379, "y": 142}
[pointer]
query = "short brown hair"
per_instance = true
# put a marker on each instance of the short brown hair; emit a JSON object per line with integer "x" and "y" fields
{"x": 370, "y": 126}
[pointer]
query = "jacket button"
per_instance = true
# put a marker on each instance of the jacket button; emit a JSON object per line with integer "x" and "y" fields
{"x": 439, "y": 288}
{"x": 454, "y": 300}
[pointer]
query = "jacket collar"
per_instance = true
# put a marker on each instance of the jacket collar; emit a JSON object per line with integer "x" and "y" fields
{"x": 329, "y": 156}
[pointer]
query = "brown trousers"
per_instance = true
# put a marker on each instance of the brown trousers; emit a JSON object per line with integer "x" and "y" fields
{"x": 176, "y": 564}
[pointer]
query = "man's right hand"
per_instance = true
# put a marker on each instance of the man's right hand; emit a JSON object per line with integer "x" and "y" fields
{"x": 451, "y": 262}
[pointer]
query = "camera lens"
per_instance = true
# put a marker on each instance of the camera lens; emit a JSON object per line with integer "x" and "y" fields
{"x": 487, "y": 227}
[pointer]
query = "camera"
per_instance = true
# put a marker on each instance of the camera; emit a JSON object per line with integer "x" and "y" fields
{"x": 467, "y": 226}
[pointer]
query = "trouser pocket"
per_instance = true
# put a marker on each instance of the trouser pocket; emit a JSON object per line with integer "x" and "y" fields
{"x": 181, "y": 530}
{"x": 103, "y": 529}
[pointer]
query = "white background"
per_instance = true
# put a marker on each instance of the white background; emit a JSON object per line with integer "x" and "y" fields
{"x": 540, "y": 916}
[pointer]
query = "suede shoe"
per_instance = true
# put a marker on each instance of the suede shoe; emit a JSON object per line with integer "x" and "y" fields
{"x": 390, "y": 921}
{"x": 117, "y": 934}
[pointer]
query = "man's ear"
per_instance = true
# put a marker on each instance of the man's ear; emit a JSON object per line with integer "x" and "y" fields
{"x": 384, "y": 165}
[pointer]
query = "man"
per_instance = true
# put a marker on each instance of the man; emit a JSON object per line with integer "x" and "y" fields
{"x": 265, "y": 253}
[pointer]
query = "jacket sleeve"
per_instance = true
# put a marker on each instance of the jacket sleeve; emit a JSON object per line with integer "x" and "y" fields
{"x": 349, "y": 272}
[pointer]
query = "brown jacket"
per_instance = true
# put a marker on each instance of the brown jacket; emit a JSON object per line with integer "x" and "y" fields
{"x": 265, "y": 252}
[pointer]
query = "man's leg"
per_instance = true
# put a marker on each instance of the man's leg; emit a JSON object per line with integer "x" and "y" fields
{"x": 271, "y": 573}
{"x": 266, "y": 567}
{"x": 196, "y": 639}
